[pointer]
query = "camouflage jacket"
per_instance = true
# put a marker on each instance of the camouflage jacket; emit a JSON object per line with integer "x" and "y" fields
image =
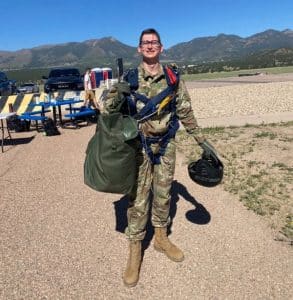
{"x": 150, "y": 86}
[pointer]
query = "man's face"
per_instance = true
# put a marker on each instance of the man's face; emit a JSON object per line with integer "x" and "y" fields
{"x": 150, "y": 47}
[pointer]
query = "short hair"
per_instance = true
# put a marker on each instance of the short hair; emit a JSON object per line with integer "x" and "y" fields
{"x": 149, "y": 31}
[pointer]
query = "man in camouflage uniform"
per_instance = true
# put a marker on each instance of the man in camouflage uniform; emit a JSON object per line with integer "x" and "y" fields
{"x": 155, "y": 177}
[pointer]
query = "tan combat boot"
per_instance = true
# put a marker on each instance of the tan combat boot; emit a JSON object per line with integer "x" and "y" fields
{"x": 163, "y": 244}
{"x": 131, "y": 274}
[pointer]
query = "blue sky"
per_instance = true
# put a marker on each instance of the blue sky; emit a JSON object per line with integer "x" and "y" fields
{"x": 31, "y": 23}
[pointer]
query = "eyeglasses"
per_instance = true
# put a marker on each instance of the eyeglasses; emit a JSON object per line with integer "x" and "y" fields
{"x": 154, "y": 43}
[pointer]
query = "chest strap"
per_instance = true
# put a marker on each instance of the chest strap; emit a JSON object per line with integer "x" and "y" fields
{"x": 150, "y": 108}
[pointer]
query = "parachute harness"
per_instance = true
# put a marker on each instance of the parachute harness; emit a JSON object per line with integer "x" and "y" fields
{"x": 167, "y": 103}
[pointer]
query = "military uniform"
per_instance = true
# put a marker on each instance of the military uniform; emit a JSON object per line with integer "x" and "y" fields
{"x": 158, "y": 177}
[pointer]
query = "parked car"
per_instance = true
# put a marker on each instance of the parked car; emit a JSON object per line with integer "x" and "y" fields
{"x": 63, "y": 79}
{"x": 28, "y": 88}
{"x": 7, "y": 87}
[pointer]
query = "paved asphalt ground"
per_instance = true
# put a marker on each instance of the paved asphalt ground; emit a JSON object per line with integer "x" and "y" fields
{"x": 61, "y": 240}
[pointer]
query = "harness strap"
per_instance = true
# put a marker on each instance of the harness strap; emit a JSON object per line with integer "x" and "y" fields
{"x": 172, "y": 77}
{"x": 151, "y": 104}
{"x": 132, "y": 78}
{"x": 163, "y": 141}
{"x": 150, "y": 109}
{"x": 131, "y": 104}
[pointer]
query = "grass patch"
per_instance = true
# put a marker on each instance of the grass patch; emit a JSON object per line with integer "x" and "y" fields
{"x": 265, "y": 134}
{"x": 258, "y": 168}
{"x": 212, "y": 130}
{"x": 288, "y": 227}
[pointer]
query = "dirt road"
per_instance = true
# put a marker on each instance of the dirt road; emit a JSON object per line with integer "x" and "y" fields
{"x": 61, "y": 240}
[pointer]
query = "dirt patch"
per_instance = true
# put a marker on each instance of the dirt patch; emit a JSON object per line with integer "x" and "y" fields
{"x": 258, "y": 169}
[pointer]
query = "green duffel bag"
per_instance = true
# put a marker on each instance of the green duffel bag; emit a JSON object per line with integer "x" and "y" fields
{"x": 110, "y": 164}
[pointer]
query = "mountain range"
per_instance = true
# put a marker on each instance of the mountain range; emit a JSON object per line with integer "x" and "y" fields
{"x": 104, "y": 51}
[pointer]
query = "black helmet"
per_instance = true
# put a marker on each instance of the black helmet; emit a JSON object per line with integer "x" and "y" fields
{"x": 207, "y": 171}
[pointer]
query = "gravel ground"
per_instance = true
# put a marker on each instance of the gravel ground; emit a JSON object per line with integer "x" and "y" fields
{"x": 234, "y": 103}
{"x": 61, "y": 240}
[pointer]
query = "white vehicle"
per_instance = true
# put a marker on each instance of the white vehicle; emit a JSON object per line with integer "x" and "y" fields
{"x": 27, "y": 88}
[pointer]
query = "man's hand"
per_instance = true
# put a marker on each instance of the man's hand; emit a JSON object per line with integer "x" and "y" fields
{"x": 199, "y": 139}
{"x": 208, "y": 148}
{"x": 115, "y": 97}
{"x": 123, "y": 88}
{"x": 205, "y": 145}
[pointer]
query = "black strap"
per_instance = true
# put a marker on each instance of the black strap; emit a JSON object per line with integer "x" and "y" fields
{"x": 150, "y": 108}
{"x": 150, "y": 104}
{"x": 131, "y": 77}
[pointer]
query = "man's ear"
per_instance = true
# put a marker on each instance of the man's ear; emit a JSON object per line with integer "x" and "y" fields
{"x": 138, "y": 49}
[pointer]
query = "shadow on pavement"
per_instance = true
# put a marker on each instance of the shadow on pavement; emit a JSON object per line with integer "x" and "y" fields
{"x": 18, "y": 141}
{"x": 120, "y": 207}
{"x": 199, "y": 215}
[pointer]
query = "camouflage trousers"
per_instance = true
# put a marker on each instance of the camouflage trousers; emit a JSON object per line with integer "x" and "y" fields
{"x": 155, "y": 178}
